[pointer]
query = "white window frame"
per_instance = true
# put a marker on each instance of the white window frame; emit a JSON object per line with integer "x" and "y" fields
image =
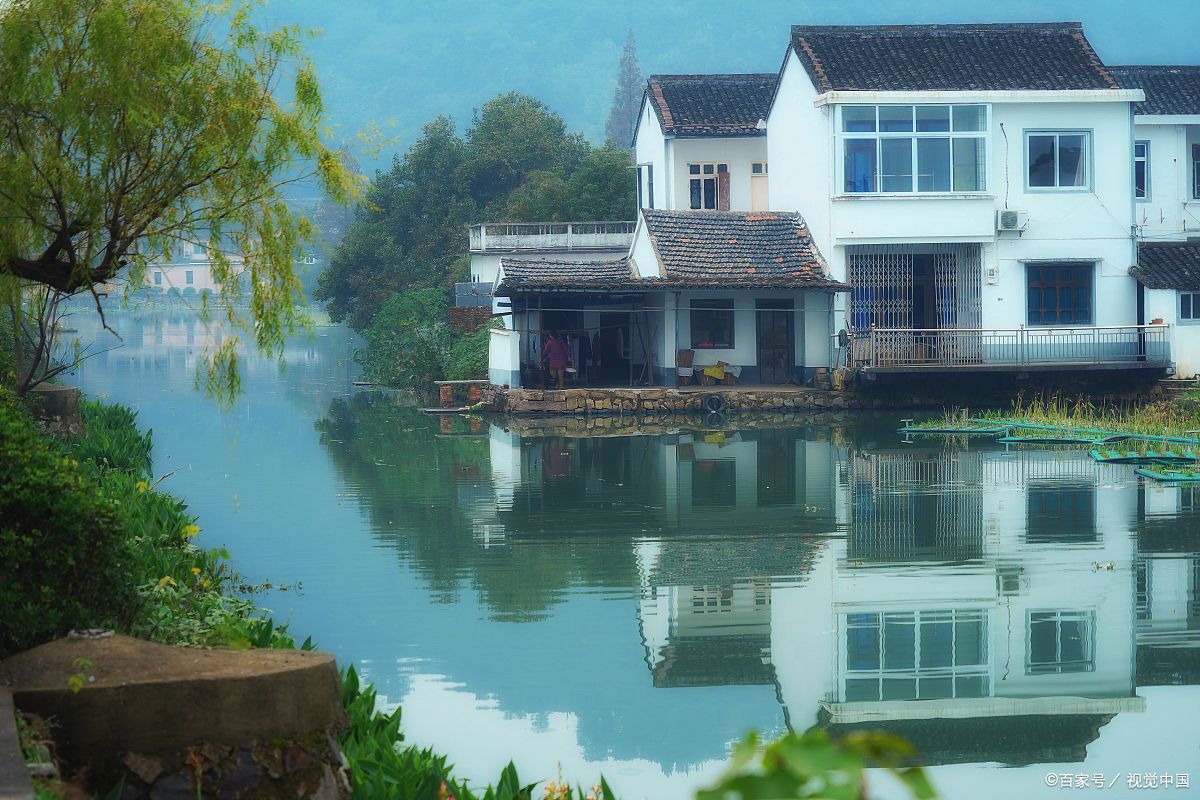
{"x": 1088, "y": 156}
{"x": 1086, "y": 618}
{"x": 1194, "y": 301}
{"x": 1144, "y": 159}
{"x": 877, "y": 135}
{"x": 703, "y": 176}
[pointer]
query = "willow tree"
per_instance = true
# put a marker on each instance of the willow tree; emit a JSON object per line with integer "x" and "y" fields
{"x": 129, "y": 128}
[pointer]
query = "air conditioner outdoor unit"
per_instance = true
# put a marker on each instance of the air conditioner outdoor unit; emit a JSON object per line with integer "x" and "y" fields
{"x": 1011, "y": 220}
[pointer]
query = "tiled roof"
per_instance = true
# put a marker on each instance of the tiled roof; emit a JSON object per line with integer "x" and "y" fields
{"x": 1169, "y": 90}
{"x": 696, "y": 250}
{"x": 530, "y": 273}
{"x": 711, "y": 105}
{"x": 1033, "y": 56}
{"x": 723, "y": 249}
{"x": 1169, "y": 265}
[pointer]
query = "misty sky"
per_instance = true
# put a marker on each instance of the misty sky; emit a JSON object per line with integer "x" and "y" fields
{"x": 401, "y": 63}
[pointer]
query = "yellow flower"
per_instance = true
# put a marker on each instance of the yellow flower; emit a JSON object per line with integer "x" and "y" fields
{"x": 142, "y": 487}
{"x": 195, "y": 570}
{"x": 190, "y": 531}
{"x": 166, "y": 580}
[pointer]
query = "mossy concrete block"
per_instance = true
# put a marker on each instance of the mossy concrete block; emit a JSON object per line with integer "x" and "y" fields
{"x": 15, "y": 783}
{"x": 144, "y": 697}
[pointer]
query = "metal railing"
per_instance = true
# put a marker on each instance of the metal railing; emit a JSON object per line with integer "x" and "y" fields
{"x": 1016, "y": 347}
{"x": 550, "y": 236}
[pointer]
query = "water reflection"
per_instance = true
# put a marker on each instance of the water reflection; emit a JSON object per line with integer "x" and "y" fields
{"x": 988, "y": 605}
{"x": 631, "y": 598}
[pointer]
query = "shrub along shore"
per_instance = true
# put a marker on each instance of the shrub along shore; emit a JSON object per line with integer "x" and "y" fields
{"x": 91, "y": 541}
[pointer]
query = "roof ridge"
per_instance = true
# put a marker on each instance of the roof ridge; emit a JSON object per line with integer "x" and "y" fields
{"x": 1155, "y": 67}
{"x": 937, "y": 27}
{"x": 711, "y": 75}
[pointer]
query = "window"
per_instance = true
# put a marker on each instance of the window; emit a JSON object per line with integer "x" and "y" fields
{"x": 712, "y": 599}
{"x": 158, "y": 279}
{"x": 708, "y": 186}
{"x": 1141, "y": 170}
{"x": 1058, "y": 160}
{"x": 1060, "y": 641}
{"x": 1059, "y": 294}
{"x": 1189, "y": 306}
{"x": 1196, "y": 171}
{"x": 906, "y": 149}
{"x": 758, "y": 186}
{"x": 712, "y": 324}
{"x": 1060, "y": 513}
{"x": 189, "y": 277}
{"x": 645, "y": 185}
{"x": 919, "y": 655}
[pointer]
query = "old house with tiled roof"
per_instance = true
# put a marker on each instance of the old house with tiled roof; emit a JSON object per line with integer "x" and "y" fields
{"x": 939, "y": 199}
{"x": 1166, "y": 156}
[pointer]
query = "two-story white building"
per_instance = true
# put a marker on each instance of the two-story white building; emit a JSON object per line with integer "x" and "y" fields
{"x": 972, "y": 192}
{"x": 1167, "y": 202}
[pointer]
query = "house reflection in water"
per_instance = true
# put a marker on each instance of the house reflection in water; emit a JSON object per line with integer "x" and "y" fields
{"x": 988, "y": 606}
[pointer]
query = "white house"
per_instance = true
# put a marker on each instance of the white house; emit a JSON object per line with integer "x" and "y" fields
{"x": 1167, "y": 202}
{"x": 973, "y": 187}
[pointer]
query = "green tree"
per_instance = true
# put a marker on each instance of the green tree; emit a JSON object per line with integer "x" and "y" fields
{"x": 408, "y": 231}
{"x": 545, "y": 196}
{"x": 129, "y": 128}
{"x": 602, "y": 187}
{"x": 627, "y": 98}
{"x": 512, "y": 136}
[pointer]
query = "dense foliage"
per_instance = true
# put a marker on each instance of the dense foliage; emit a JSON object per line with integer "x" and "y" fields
{"x": 409, "y": 340}
{"x": 517, "y": 162}
{"x": 88, "y": 542}
{"x": 62, "y": 541}
{"x": 468, "y": 356}
{"x": 131, "y": 128}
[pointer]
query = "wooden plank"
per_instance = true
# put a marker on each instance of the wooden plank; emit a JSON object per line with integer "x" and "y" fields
{"x": 15, "y": 783}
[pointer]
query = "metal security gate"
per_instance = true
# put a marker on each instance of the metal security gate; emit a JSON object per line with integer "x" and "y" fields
{"x": 923, "y": 289}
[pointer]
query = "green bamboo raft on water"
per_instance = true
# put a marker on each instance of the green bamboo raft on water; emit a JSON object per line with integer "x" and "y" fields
{"x": 1169, "y": 474}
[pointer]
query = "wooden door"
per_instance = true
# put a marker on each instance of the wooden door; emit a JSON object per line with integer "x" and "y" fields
{"x": 776, "y": 341}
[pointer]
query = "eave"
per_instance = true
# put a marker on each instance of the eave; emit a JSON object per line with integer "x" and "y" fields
{"x": 842, "y": 97}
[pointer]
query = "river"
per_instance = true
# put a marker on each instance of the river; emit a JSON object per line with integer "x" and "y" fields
{"x": 633, "y": 600}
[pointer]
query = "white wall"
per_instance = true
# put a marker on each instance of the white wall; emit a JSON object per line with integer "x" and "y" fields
{"x": 737, "y": 152}
{"x": 1185, "y": 336}
{"x": 650, "y": 147}
{"x": 808, "y": 313}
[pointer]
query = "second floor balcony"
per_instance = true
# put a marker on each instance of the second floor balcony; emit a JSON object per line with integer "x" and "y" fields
{"x": 550, "y": 237}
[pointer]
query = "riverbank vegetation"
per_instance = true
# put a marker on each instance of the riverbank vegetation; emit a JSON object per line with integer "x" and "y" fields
{"x": 411, "y": 345}
{"x": 1054, "y": 415}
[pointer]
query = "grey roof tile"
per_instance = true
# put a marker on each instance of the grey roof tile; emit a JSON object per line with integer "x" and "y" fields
{"x": 1169, "y": 89}
{"x": 711, "y": 105}
{"x": 1169, "y": 265}
{"x": 978, "y": 57}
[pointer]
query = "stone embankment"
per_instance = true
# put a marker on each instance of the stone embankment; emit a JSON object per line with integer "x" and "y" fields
{"x": 584, "y": 401}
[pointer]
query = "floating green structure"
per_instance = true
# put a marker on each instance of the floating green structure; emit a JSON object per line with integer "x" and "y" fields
{"x": 1145, "y": 456}
{"x": 1169, "y": 474}
{"x": 1059, "y": 440}
{"x": 954, "y": 430}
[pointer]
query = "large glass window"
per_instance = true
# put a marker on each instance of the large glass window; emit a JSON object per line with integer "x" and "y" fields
{"x": 712, "y": 324}
{"x": 708, "y": 186}
{"x": 1196, "y": 171}
{"x": 1060, "y": 641}
{"x": 1141, "y": 170}
{"x": 916, "y": 655}
{"x": 904, "y": 149}
{"x": 1059, "y": 294}
{"x": 1058, "y": 159}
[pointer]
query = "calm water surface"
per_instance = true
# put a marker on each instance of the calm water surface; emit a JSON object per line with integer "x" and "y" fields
{"x": 634, "y": 601}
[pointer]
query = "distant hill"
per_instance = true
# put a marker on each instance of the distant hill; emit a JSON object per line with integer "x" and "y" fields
{"x": 405, "y": 61}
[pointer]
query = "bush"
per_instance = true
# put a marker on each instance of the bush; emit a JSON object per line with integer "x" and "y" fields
{"x": 62, "y": 541}
{"x": 468, "y": 357}
{"x": 112, "y": 440}
{"x": 408, "y": 341}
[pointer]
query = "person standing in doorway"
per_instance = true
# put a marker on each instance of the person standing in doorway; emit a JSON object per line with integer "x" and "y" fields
{"x": 555, "y": 355}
